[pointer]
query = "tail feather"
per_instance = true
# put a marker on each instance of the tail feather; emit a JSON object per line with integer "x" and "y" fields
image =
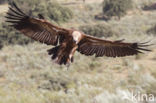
{"x": 59, "y": 59}
{"x": 63, "y": 60}
{"x": 72, "y": 59}
{"x": 54, "y": 56}
{"x": 53, "y": 50}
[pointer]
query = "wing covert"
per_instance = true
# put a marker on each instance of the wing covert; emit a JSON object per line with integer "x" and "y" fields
{"x": 90, "y": 46}
{"x": 35, "y": 28}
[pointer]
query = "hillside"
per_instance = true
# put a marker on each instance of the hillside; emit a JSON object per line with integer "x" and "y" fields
{"x": 27, "y": 74}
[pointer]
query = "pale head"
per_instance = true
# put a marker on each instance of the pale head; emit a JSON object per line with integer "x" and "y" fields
{"x": 76, "y": 36}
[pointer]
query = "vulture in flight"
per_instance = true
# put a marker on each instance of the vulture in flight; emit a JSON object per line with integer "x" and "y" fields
{"x": 67, "y": 41}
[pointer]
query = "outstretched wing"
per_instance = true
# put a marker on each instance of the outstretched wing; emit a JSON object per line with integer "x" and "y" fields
{"x": 90, "y": 46}
{"x": 35, "y": 28}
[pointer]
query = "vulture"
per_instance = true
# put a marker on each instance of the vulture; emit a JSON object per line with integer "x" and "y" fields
{"x": 66, "y": 42}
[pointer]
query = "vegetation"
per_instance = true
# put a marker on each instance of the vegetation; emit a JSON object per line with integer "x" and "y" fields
{"x": 3, "y": 1}
{"x": 9, "y": 35}
{"x": 27, "y": 74}
{"x": 152, "y": 30}
{"x": 150, "y": 7}
{"x": 50, "y": 9}
{"x": 1, "y": 45}
{"x": 98, "y": 30}
{"x": 116, "y": 7}
{"x": 59, "y": 13}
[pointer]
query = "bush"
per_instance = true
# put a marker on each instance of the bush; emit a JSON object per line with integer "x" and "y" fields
{"x": 150, "y": 7}
{"x": 10, "y": 36}
{"x": 152, "y": 30}
{"x": 3, "y": 1}
{"x": 49, "y": 9}
{"x": 59, "y": 13}
{"x": 99, "y": 30}
{"x": 57, "y": 83}
{"x": 1, "y": 45}
{"x": 116, "y": 7}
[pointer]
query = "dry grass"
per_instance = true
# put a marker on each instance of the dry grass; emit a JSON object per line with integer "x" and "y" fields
{"x": 3, "y": 8}
{"x": 27, "y": 75}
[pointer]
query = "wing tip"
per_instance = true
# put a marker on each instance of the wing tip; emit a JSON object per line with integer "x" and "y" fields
{"x": 14, "y": 14}
{"x": 144, "y": 46}
{"x": 15, "y": 9}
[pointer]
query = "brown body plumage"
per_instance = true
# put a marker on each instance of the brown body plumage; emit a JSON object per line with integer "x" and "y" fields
{"x": 68, "y": 41}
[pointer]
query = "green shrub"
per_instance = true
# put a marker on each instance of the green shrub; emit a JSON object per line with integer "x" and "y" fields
{"x": 10, "y": 36}
{"x": 49, "y": 9}
{"x": 3, "y": 1}
{"x": 59, "y": 13}
{"x": 57, "y": 83}
{"x": 1, "y": 45}
{"x": 116, "y": 7}
{"x": 99, "y": 30}
{"x": 152, "y": 30}
{"x": 150, "y": 7}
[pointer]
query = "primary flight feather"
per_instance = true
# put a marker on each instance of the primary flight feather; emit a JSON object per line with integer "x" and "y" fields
{"x": 68, "y": 41}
